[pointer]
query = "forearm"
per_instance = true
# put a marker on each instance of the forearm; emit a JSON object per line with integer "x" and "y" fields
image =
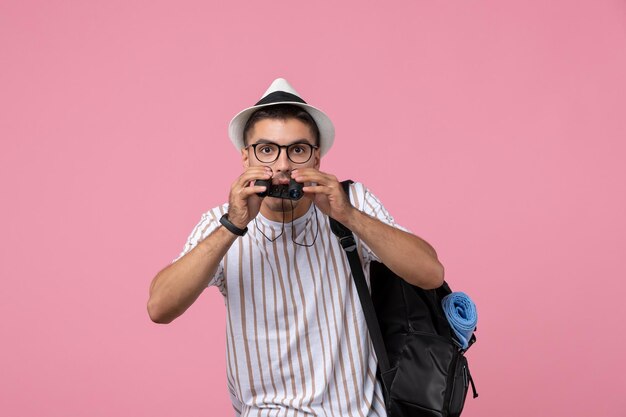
{"x": 407, "y": 255}
{"x": 178, "y": 285}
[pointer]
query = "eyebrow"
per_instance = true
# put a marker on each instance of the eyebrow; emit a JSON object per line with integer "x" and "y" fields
{"x": 297, "y": 141}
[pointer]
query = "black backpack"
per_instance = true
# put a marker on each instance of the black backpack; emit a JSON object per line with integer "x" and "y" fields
{"x": 422, "y": 368}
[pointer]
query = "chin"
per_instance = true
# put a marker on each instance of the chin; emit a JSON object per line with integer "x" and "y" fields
{"x": 281, "y": 205}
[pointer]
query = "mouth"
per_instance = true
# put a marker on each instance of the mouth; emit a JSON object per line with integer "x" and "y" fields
{"x": 280, "y": 181}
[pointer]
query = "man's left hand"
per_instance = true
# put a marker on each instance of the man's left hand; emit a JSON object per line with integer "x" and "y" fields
{"x": 327, "y": 193}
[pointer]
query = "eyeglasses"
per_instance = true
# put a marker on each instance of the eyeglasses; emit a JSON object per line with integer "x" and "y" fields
{"x": 298, "y": 153}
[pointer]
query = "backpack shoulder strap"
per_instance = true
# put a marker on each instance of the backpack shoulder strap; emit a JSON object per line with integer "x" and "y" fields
{"x": 346, "y": 239}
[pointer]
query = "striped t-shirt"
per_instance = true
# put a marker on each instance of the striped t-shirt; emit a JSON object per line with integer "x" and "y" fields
{"x": 297, "y": 342}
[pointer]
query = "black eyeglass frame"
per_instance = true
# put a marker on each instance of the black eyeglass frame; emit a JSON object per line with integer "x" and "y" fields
{"x": 280, "y": 148}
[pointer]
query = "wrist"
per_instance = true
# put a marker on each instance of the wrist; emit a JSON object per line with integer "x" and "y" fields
{"x": 353, "y": 218}
{"x": 220, "y": 238}
{"x": 234, "y": 229}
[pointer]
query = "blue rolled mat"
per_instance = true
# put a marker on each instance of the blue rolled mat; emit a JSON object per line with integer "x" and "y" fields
{"x": 461, "y": 313}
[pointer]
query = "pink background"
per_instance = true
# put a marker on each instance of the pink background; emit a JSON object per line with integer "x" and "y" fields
{"x": 495, "y": 130}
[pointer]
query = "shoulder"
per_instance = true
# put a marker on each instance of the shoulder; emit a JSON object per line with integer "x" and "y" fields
{"x": 208, "y": 222}
{"x": 216, "y": 212}
{"x": 360, "y": 195}
{"x": 212, "y": 216}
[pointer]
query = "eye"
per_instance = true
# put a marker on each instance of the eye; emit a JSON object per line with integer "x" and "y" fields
{"x": 266, "y": 149}
{"x": 298, "y": 149}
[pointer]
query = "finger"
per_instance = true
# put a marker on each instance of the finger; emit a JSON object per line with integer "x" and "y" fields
{"x": 252, "y": 174}
{"x": 313, "y": 176}
{"x": 256, "y": 173}
{"x": 318, "y": 189}
{"x": 246, "y": 192}
{"x": 306, "y": 171}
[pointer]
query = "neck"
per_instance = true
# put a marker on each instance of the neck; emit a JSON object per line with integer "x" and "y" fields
{"x": 275, "y": 213}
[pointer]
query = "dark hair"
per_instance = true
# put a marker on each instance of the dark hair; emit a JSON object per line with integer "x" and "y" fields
{"x": 281, "y": 112}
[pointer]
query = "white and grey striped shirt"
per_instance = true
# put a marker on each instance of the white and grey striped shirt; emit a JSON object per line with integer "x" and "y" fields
{"x": 297, "y": 342}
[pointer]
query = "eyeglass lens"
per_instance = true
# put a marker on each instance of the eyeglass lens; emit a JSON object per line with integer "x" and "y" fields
{"x": 298, "y": 153}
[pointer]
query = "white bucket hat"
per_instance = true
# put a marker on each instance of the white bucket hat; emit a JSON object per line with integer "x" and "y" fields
{"x": 281, "y": 92}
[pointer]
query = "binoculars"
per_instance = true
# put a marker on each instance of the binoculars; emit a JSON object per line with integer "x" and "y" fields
{"x": 291, "y": 191}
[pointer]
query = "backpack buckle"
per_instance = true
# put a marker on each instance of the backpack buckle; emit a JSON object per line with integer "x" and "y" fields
{"x": 348, "y": 243}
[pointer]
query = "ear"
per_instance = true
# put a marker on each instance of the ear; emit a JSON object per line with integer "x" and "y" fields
{"x": 245, "y": 161}
{"x": 317, "y": 158}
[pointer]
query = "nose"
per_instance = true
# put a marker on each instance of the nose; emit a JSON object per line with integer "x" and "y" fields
{"x": 282, "y": 164}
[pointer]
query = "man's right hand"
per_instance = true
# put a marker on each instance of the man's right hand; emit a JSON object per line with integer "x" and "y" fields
{"x": 179, "y": 284}
{"x": 243, "y": 202}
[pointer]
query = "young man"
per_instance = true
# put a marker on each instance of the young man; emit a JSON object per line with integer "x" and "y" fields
{"x": 297, "y": 343}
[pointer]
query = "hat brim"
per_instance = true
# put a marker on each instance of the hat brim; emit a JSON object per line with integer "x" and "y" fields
{"x": 324, "y": 124}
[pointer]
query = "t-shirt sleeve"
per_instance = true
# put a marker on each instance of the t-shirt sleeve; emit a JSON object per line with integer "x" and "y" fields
{"x": 208, "y": 223}
{"x": 363, "y": 199}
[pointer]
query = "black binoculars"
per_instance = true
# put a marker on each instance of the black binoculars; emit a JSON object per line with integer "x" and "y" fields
{"x": 291, "y": 191}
